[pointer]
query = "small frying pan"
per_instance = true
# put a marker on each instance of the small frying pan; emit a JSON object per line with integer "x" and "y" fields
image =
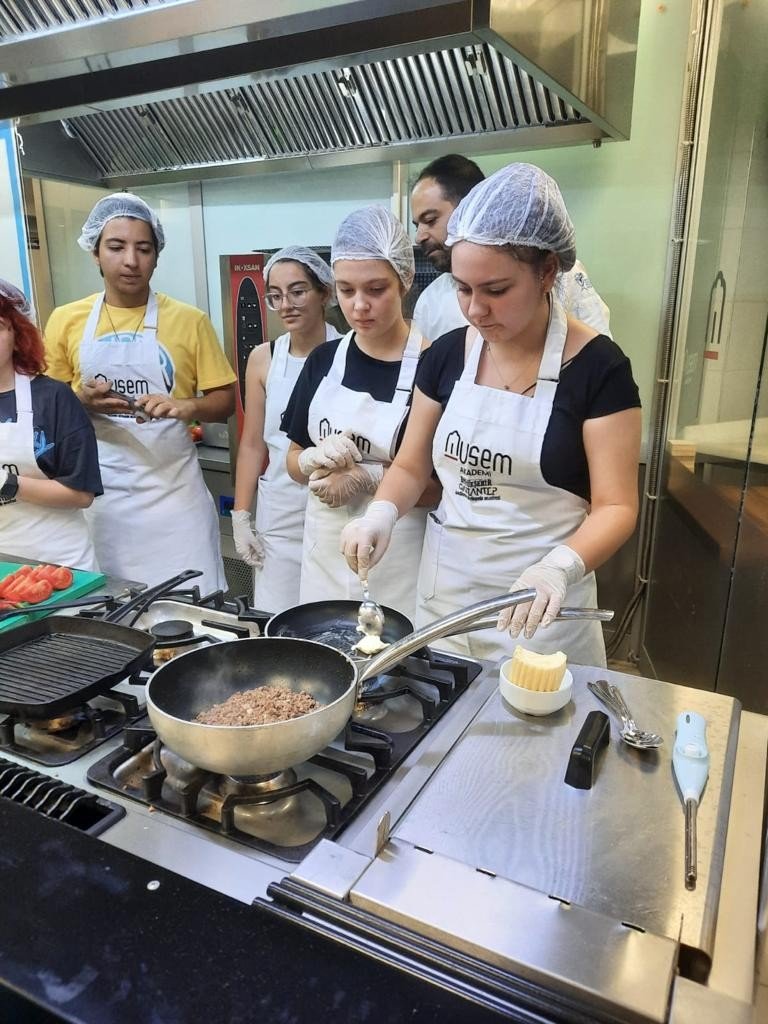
{"x": 333, "y": 623}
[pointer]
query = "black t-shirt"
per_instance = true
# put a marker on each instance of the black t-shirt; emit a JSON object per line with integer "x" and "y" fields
{"x": 362, "y": 373}
{"x": 596, "y": 382}
{"x": 64, "y": 439}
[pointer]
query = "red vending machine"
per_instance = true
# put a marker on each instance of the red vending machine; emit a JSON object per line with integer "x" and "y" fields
{"x": 245, "y": 325}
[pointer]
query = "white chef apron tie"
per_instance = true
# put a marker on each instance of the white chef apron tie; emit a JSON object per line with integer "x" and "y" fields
{"x": 498, "y": 515}
{"x": 375, "y": 428}
{"x": 156, "y": 517}
{"x": 280, "y": 501}
{"x": 57, "y": 535}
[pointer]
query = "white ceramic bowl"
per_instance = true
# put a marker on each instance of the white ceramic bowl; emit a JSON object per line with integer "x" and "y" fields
{"x": 534, "y": 702}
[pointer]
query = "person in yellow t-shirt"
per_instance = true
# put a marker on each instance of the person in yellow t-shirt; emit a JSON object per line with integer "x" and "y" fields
{"x": 143, "y": 365}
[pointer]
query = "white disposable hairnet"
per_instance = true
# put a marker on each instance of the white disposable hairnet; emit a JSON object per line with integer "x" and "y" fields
{"x": 518, "y": 205}
{"x": 373, "y": 233}
{"x": 308, "y": 259}
{"x": 119, "y": 204}
{"x": 17, "y": 298}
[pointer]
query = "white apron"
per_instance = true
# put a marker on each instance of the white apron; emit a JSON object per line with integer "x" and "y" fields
{"x": 156, "y": 516}
{"x": 280, "y": 501}
{"x": 57, "y": 535}
{"x": 375, "y": 427}
{"x": 498, "y": 515}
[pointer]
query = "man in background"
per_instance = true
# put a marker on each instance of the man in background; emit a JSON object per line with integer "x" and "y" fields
{"x": 438, "y": 191}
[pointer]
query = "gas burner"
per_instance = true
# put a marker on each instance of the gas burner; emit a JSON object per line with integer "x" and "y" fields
{"x": 287, "y": 814}
{"x": 65, "y": 738}
{"x": 171, "y": 631}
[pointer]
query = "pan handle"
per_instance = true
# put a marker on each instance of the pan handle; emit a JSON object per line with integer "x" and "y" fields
{"x": 445, "y": 626}
{"x": 141, "y": 602}
{"x": 564, "y": 615}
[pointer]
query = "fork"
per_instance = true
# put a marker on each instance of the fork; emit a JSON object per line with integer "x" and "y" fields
{"x": 611, "y": 696}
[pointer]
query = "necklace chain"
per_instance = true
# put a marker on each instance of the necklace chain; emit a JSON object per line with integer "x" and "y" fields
{"x": 114, "y": 329}
{"x": 507, "y": 387}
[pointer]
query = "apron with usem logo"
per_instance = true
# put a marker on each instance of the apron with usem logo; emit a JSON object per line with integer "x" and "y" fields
{"x": 280, "y": 501}
{"x": 375, "y": 427}
{"x": 498, "y": 515}
{"x": 156, "y": 516}
{"x": 58, "y": 535}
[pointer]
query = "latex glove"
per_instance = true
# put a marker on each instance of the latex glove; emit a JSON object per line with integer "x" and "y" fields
{"x": 341, "y": 486}
{"x": 247, "y": 543}
{"x": 365, "y": 539}
{"x": 550, "y": 578}
{"x": 337, "y": 451}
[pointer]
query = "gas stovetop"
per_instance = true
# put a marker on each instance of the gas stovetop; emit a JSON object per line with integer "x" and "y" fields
{"x": 107, "y": 746}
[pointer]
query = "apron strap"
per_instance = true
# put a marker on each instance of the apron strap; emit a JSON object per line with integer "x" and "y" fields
{"x": 339, "y": 364}
{"x": 23, "y": 387}
{"x": 408, "y": 366}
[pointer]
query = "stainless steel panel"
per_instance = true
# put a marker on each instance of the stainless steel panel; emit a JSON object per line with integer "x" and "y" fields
{"x": 616, "y": 849}
{"x": 608, "y": 964}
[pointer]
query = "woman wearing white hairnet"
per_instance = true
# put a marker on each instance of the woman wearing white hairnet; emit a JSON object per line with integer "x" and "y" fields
{"x": 139, "y": 361}
{"x": 299, "y": 286}
{"x": 532, "y": 423}
{"x": 348, "y": 411}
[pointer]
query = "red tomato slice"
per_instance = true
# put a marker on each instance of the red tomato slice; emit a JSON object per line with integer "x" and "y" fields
{"x": 61, "y": 578}
{"x": 37, "y": 591}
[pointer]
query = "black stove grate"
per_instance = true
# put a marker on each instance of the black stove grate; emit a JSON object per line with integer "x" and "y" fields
{"x": 436, "y": 681}
{"x": 93, "y": 723}
{"x": 75, "y": 807}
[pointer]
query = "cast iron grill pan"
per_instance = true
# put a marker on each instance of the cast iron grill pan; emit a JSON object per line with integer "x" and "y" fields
{"x": 51, "y": 665}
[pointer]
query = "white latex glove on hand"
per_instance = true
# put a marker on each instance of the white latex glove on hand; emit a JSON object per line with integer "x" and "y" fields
{"x": 365, "y": 539}
{"x": 341, "y": 486}
{"x": 337, "y": 451}
{"x": 550, "y": 578}
{"x": 247, "y": 543}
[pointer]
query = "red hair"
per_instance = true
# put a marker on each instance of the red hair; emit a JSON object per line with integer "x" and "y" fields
{"x": 28, "y": 348}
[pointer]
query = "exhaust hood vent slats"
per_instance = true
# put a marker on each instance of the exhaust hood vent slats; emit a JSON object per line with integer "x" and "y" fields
{"x": 465, "y": 91}
{"x": 20, "y": 17}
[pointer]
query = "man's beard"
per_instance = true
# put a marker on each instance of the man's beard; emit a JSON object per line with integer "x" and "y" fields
{"x": 440, "y": 258}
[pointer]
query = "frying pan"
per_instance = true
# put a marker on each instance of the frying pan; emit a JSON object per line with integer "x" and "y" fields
{"x": 49, "y": 665}
{"x": 319, "y": 619}
{"x": 193, "y": 682}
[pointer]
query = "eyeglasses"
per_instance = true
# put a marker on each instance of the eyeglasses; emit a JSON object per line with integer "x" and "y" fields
{"x": 294, "y": 297}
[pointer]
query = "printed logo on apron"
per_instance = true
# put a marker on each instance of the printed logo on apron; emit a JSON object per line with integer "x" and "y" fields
{"x": 477, "y": 468}
{"x": 325, "y": 429}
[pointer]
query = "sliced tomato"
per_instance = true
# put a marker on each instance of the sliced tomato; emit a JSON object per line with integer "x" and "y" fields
{"x": 61, "y": 578}
{"x": 37, "y": 591}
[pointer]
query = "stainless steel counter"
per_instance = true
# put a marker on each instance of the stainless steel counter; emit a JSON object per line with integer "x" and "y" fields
{"x": 499, "y": 804}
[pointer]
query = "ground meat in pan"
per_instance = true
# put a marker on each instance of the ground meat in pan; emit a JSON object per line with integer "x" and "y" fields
{"x": 259, "y": 706}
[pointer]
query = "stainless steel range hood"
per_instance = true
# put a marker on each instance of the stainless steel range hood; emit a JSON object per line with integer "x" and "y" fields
{"x": 137, "y": 91}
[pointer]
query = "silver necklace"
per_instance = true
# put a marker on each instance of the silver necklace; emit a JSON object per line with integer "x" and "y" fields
{"x": 114, "y": 330}
{"x": 507, "y": 387}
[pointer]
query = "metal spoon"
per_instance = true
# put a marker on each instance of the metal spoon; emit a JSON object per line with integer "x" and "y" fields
{"x": 632, "y": 735}
{"x": 370, "y": 616}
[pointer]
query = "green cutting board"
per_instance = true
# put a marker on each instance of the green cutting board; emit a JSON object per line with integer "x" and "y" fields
{"x": 82, "y": 583}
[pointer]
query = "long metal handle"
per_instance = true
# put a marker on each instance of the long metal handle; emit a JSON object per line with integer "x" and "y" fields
{"x": 691, "y": 808}
{"x": 435, "y": 630}
{"x": 565, "y": 614}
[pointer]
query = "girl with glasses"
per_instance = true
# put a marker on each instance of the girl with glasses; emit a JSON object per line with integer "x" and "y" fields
{"x": 349, "y": 408}
{"x": 299, "y": 286}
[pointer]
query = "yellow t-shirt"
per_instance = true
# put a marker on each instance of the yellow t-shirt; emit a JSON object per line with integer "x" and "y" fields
{"x": 192, "y": 356}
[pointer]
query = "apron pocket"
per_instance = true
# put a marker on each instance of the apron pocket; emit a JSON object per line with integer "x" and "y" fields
{"x": 430, "y": 558}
